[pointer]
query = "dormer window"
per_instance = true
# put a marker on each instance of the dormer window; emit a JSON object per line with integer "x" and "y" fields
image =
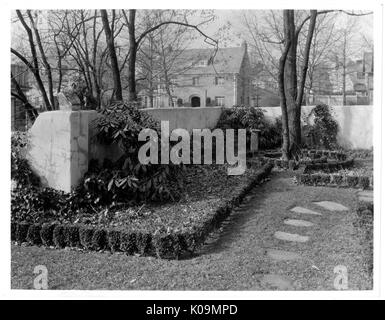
{"x": 202, "y": 63}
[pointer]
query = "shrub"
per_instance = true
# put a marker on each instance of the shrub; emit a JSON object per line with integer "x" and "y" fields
{"x": 21, "y": 231}
{"x": 99, "y": 239}
{"x": 71, "y": 235}
{"x": 58, "y": 236}
{"x": 128, "y": 242}
{"x": 13, "y": 231}
{"x": 46, "y": 234}
{"x": 167, "y": 246}
{"x": 127, "y": 179}
{"x": 325, "y": 128}
{"x": 33, "y": 235}
{"x": 143, "y": 243}
{"x": 113, "y": 237}
{"x": 85, "y": 235}
{"x": 253, "y": 118}
{"x": 21, "y": 173}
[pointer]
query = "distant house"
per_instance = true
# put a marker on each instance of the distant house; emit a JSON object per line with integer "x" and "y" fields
{"x": 361, "y": 75}
{"x": 19, "y": 118}
{"x": 358, "y": 84}
{"x": 201, "y": 80}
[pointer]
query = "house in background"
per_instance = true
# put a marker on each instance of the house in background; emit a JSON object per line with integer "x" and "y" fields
{"x": 361, "y": 76}
{"x": 358, "y": 84}
{"x": 19, "y": 118}
{"x": 201, "y": 80}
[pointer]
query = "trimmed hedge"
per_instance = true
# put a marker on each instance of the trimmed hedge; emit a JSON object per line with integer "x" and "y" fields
{"x": 333, "y": 180}
{"x": 46, "y": 234}
{"x": 315, "y": 157}
{"x": 329, "y": 166}
{"x": 162, "y": 245}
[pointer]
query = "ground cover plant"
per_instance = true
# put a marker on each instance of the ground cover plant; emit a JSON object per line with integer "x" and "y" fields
{"x": 166, "y": 230}
{"x": 126, "y": 206}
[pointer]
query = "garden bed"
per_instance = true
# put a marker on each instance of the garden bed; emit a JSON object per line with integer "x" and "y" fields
{"x": 309, "y": 157}
{"x": 168, "y": 230}
{"x": 344, "y": 174}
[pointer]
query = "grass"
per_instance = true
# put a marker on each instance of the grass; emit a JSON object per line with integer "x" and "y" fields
{"x": 234, "y": 258}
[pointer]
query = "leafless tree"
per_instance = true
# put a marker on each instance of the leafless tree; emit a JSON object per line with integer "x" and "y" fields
{"x": 135, "y": 40}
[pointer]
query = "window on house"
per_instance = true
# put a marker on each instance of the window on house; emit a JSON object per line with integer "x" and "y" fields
{"x": 172, "y": 102}
{"x": 202, "y": 63}
{"x": 219, "y": 81}
{"x": 220, "y": 101}
{"x": 195, "y": 81}
{"x": 361, "y": 75}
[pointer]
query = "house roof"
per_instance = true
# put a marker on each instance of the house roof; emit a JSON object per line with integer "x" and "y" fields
{"x": 226, "y": 60}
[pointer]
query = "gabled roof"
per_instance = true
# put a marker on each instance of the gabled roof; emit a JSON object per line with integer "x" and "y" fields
{"x": 226, "y": 60}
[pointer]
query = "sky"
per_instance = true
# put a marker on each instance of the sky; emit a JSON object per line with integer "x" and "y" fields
{"x": 235, "y": 18}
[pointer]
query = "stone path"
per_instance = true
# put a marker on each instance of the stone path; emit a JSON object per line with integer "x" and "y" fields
{"x": 304, "y": 210}
{"x": 281, "y": 282}
{"x": 290, "y": 237}
{"x": 298, "y": 223}
{"x": 366, "y": 196}
{"x": 332, "y": 206}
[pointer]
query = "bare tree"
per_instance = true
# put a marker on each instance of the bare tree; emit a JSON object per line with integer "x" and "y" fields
{"x": 136, "y": 40}
{"x": 34, "y": 66}
{"x": 18, "y": 93}
{"x": 112, "y": 53}
{"x": 344, "y": 50}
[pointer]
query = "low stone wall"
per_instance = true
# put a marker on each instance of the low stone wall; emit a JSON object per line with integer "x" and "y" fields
{"x": 355, "y": 124}
{"x": 187, "y": 118}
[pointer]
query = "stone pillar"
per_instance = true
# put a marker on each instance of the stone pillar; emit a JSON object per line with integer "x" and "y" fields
{"x": 59, "y": 147}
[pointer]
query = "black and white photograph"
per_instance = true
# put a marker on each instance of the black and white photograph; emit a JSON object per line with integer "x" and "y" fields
{"x": 193, "y": 150}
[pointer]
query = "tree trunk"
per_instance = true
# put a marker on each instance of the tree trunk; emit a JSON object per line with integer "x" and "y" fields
{"x": 45, "y": 60}
{"x": 291, "y": 90}
{"x": 19, "y": 94}
{"x": 344, "y": 81}
{"x": 114, "y": 60}
{"x": 291, "y": 95}
{"x": 282, "y": 95}
{"x": 132, "y": 57}
{"x": 35, "y": 66}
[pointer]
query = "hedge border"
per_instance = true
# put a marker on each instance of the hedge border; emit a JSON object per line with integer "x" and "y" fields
{"x": 316, "y": 157}
{"x": 165, "y": 246}
{"x": 333, "y": 180}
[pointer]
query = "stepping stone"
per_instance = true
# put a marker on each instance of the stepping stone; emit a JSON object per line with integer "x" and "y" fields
{"x": 277, "y": 282}
{"x": 298, "y": 223}
{"x": 304, "y": 210}
{"x": 332, "y": 206}
{"x": 366, "y": 193}
{"x": 365, "y": 199}
{"x": 281, "y": 255}
{"x": 290, "y": 237}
